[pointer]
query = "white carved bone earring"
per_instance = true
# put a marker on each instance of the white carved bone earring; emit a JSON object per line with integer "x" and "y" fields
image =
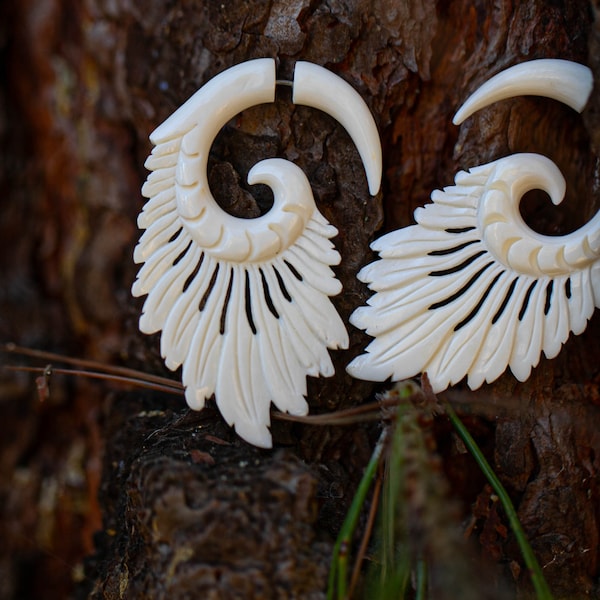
{"x": 243, "y": 304}
{"x": 471, "y": 289}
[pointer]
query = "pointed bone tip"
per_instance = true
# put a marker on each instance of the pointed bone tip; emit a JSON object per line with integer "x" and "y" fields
{"x": 356, "y": 320}
{"x": 353, "y": 368}
{"x": 136, "y": 289}
{"x": 361, "y": 367}
{"x": 566, "y": 81}
{"x": 557, "y": 190}
{"x": 460, "y": 116}
{"x": 257, "y": 435}
{"x": 343, "y": 342}
{"x": 374, "y": 184}
{"x": 373, "y": 166}
{"x": 196, "y": 398}
{"x": 319, "y": 88}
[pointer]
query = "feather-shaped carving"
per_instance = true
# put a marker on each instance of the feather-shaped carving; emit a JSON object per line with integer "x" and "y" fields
{"x": 471, "y": 289}
{"x": 248, "y": 331}
{"x": 243, "y": 304}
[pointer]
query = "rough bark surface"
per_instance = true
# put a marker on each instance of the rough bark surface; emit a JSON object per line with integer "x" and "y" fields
{"x": 126, "y": 494}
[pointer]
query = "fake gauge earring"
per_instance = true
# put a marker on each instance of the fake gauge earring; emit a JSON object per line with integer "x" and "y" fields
{"x": 471, "y": 289}
{"x": 243, "y": 304}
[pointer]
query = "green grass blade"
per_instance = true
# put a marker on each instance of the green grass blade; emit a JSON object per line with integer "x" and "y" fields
{"x": 537, "y": 577}
{"x": 421, "y": 593}
{"x": 338, "y": 574}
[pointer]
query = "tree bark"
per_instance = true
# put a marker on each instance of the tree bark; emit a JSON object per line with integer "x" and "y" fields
{"x": 126, "y": 494}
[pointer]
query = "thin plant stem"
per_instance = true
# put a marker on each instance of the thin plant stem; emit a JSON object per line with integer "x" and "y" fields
{"x": 140, "y": 382}
{"x": 348, "y": 416}
{"x": 90, "y": 364}
{"x": 537, "y": 577}
{"x": 395, "y": 562}
{"x": 366, "y": 412}
{"x": 362, "y": 550}
{"x": 338, "y": 581}
{"x": 421, "y": 593}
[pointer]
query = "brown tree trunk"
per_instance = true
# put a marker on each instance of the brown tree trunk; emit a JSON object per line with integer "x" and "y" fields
{"x": 128, "y": 494}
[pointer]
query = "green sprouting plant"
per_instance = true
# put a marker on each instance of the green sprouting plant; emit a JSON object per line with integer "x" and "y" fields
{"x": 417, "y": 552}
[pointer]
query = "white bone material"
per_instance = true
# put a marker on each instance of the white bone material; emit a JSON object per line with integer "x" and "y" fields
{"x": 471, "y": 289}
{"x": 317, "y": 87}
{"x": 563, "y": 80}
{"x": 243, "y": 304}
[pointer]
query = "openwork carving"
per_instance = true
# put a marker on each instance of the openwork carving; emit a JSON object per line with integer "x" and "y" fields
{"x": 471, "y": 289}
{"x": 243, "y": 304}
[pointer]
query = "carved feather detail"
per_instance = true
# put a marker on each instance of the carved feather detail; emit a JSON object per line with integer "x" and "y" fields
{"x": 470, "y": 289}
{"x": 247, "y": 331}
{"x": 243, "y": 304}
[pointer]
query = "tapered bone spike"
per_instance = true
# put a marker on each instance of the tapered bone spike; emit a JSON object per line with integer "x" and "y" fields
{"x": 317, "y": 87}
{"x": 562, "y": 80}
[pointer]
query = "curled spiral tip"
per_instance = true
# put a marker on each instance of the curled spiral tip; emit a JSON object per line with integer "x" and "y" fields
{"x": 285, "y": 179}
{"x": 520, "y": 173}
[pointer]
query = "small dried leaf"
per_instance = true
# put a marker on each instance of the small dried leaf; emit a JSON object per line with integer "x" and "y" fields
{"x": 199, "y": 457}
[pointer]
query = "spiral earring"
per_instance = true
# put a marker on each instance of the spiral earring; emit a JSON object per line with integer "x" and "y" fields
{"x": 243, "y": 304}
{"x": 471, "y": 289}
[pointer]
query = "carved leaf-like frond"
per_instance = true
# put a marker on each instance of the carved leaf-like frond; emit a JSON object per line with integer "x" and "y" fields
{"x": 248, "y": 332}
{"x": 470, "y": 289}
{"x": 243, "y": 304}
